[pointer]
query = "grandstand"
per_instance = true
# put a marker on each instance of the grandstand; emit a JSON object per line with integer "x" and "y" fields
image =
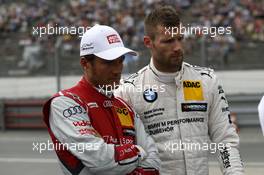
{"x": 241, "y": 50}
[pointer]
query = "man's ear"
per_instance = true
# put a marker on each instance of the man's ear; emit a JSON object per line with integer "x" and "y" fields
{"x": 84, "y": 63}
{"x": 147, "y": 41}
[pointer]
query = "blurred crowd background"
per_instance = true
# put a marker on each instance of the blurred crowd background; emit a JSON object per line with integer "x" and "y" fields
{"x": 24, "y": 54}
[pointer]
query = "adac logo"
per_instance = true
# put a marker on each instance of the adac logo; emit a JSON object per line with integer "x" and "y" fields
{"x": 193, "y": 90}
{"x": 150, "y": 95}
{"x": 191, "y": 84}
{"x": 124, "y": 117}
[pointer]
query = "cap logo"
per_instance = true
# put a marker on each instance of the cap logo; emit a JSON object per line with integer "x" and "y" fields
{"x": 113, "y": 39}
{"x": 87, "y": 46}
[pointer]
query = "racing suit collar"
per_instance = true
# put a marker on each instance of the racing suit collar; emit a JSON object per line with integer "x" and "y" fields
{"x": 106, "y": 93}
{"x": 165, "y": 77}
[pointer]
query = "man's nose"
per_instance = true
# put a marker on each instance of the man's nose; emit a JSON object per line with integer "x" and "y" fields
{"x": 177, "y": 46}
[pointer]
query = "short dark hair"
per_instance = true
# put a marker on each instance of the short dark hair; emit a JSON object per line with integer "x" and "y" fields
{"x": 89, "y": 58}
{"x": 165, "y": 16}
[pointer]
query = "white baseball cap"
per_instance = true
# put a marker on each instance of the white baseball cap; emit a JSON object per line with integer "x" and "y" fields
{"x": 104, "y": 42}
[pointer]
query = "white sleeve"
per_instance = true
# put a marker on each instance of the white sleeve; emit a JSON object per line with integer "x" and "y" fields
{"x": 222, "y": 131}
{"x": 70, "y": 124}
{"x": 152, "y": 159}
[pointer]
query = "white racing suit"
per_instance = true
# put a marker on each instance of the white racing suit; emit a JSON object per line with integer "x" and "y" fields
{"x": 186, "y": 113}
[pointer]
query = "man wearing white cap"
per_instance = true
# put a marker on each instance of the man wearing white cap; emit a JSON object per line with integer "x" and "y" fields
{"x": 108, "y": 136}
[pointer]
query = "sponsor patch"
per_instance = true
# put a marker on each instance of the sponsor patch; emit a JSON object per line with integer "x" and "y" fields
{"x": 113, "y": 39}
{"x": 89, "y": 131}
{"x": 110, "y": 139}
{"x": 107, "y": 104}
{"x": 87, "y": 46}
{"x": 73, "y": 110}
{"x": 123, "y": 152}
{"x": 81, "y": 123}
{"x": 191, "y": 107}
{"x": 225, "y": 157}
{"x": 153, "y": 112}
{"x": 168, "y": 126}
{"x": 192, "y": 90}
{"x": 150, "y": 95}
{"x": 124, "y": 117}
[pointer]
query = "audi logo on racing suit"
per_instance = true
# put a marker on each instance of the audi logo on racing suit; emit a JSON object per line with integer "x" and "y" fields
{"x": 73, "y": 110}
{"x": 107, "y": 103}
